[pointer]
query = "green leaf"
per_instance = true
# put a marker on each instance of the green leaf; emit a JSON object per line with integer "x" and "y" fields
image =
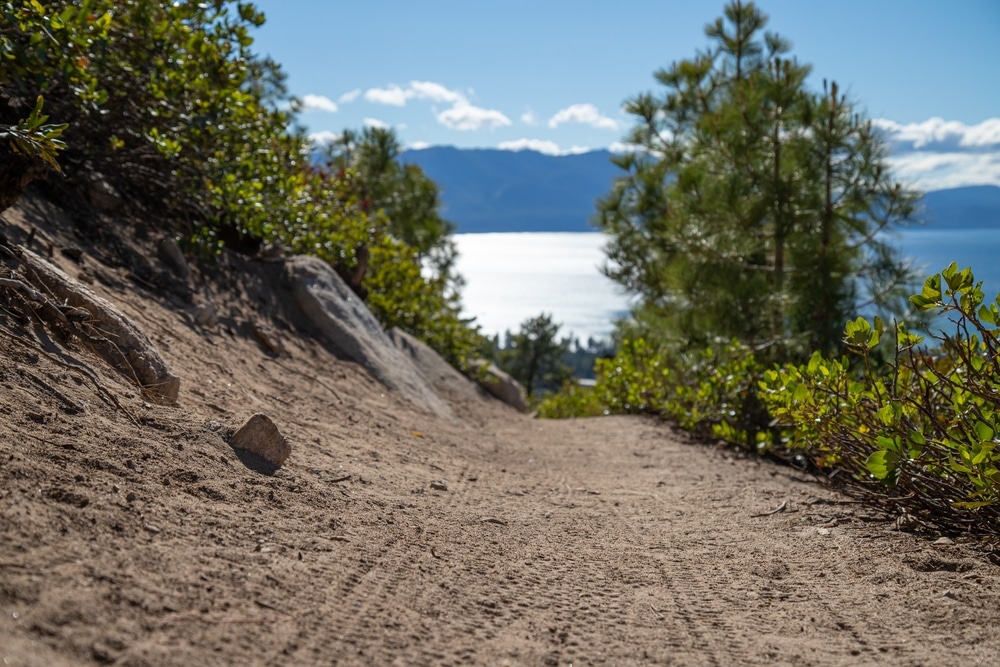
{"x": 932, "y": 288}
{"x": 973, "y": 504}
{"x": 982, "y": 455}
{"x": 886, "y": 415}
{"x": 984, "y": 431}
{"x": 881, "y": 464}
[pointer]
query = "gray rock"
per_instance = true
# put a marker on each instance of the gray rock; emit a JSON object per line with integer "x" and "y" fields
{"x": 260, "y": 436}
{"x": 171, "y": 254}
{"x": 433, "y": 367}
{"x": 205, "y": 316}
{"x": 338, "y": 312}
{"x": 501, "y": 385}
{"x": 102, "y": 194}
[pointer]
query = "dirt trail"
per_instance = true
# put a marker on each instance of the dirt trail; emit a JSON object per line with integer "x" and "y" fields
{"x": 606, "y": 541}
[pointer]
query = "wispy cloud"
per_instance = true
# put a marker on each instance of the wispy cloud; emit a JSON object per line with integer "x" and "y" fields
{"x": 622, "y": 147}
{"x": 937, "y": 153}
{"x": 586, "y": 114}
{"x": 528, "y": 118}
{"x": 318, "y": 103}
{"x": 418, "y": 146}
{"x": 323, "y": 138}
{"x": 397, "y": 96}
{"x": 375, "y": 122}
{"x": 349, "y": 96}
{"x": 392, "y": 96}
{"x": 938, "y": 134}
{"x": 541, "y": 146}
{"x": 939, "y": 171}
{"x": 464, "y": 116}
{"x": 428, "y": 90}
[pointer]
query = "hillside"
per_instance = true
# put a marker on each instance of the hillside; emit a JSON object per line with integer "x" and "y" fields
{"x": 135, "y": 533}
{"x": 488, "y": 190}
{"x": 525, "y": 191}
{"x": 973, "y": 207}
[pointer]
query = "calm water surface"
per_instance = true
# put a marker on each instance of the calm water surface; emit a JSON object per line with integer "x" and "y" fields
{"x": 511, "y": 277}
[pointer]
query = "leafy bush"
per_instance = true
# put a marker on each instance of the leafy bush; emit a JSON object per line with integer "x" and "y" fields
{"x": 168, "y": 102}
{"x": 920, "y": 434}
{"x": 573, "y": 400}
{"x": 917, "y": 433}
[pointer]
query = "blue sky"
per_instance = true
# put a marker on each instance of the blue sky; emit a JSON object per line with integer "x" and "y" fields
{"x": 552, "y": 74}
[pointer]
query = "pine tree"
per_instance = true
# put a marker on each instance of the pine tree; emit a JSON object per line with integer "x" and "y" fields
{"x": 535, "y": 357}
{"x": 752, "y": 207}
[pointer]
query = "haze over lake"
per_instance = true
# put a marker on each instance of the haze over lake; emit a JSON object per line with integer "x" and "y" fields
{"x": 513, "y": 276}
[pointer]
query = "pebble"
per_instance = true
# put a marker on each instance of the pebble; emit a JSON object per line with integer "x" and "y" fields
{"x": 825, "y": 532}
{"x": 944, "y": 541}
{"x": 260, "y": 436}
{"x": 439, "y": 485}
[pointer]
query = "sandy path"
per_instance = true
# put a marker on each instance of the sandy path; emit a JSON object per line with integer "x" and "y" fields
{"x": 589, "y": 542}
{"x": 606, "y": 541}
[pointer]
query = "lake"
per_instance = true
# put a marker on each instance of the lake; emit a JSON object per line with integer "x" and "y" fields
{"x": 513, "y": 276}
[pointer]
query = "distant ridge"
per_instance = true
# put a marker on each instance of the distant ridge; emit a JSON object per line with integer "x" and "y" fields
{"x": 492, "y": 190}
{"x": 970, "y": 207}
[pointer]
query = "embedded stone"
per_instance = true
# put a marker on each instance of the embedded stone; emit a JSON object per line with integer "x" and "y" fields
{"x": 261, "y": 437}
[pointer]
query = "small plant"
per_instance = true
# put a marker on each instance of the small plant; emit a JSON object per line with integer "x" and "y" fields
{"x": 920, "y": 434}
{"x": 34, "y": 138}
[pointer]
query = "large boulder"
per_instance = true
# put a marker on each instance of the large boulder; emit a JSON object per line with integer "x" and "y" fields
{"x": 433, "y": 367}
{"x": 345, "y": 320}
{"x": 500, "y": 384}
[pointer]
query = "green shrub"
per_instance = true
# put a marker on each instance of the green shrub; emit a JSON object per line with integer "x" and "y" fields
{"x": 170, "y": 104}
{"x": 916, "y": 431}
{"x": 573, "y": 400}
{"x": 920, "y": 434}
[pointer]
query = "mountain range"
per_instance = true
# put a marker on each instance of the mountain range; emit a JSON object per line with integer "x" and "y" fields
{"x": 492, "y": 190}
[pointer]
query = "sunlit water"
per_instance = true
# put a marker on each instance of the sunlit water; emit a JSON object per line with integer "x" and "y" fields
{"x": 511, "y": 277}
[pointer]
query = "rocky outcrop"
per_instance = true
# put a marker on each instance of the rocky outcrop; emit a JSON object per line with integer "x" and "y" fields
{"x": 345, "y": 320}
{"x": 118, "y": 341}
{"x": 500, "y": 384}
{"x": 442, "y": 375}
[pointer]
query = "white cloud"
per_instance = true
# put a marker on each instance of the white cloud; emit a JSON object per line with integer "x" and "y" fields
{"x": 349, "y": 96}
{"x": 937, "y": 171}
{"x": 428, "y": 90}
{"x": 464, "y": 116}
{"x": 418, "y": 146}
{"x": 375, "y": 122}
{"x": 938, "y": 133}
{"x": 393, "y": 95}
{"x": 397, "y": 96}
{"x": 460, "y": 116}
{"x": 323, "y": 138}
{"x": 622, "y": 147}
{"x": 937, "y": 153}
{"x": 541, "y": 146}
{"x": 528, "y": 118}
{"x": 586, "y": 114}
{"x": 318, "y": 103}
